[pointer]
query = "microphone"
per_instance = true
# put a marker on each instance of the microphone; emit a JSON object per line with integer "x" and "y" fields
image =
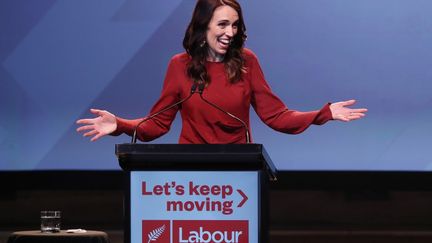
{"x": 201, "y": 86}
{"x": 270, "y": 170}
{"x": 134, "y": 137}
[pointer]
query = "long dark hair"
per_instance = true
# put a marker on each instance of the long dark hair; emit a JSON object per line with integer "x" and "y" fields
{"x": 195, "y": 45}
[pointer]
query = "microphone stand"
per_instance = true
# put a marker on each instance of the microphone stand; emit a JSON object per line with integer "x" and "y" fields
{"x": 200, "y": 91}
{"x": 134, "y": 136}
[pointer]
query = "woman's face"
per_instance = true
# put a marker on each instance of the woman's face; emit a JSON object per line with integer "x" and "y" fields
{"x": 221, "y": 30}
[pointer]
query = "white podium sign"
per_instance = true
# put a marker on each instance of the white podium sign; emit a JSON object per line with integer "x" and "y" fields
{"x": 194, "y": 206}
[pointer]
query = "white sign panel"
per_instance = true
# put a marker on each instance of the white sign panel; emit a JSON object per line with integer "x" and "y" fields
{"x": 180, "y": 207}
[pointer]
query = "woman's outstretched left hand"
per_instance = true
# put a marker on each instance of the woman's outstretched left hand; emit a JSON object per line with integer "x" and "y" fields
{"x": 340, "y": 111}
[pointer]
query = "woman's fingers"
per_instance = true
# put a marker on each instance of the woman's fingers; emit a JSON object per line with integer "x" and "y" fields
{"x": 357, "y": 114}
{"x": 83, "y": 128}
{"x": 99, "y": 126}
{"x": 97, "y": 112}
{"x": 341, "y": 111}
{"x": 348, "y": 102}
{"x": 99, "y": 135}
{"x": 90, "y": 133}
{"x": 354, "y": 117}
{"x": 361, "y": 110}
{"x": 343, "y": 118}
{"x": 85, "y": 121}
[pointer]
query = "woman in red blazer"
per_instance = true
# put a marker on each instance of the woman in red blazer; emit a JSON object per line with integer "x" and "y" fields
{"x": 229, "y": 80}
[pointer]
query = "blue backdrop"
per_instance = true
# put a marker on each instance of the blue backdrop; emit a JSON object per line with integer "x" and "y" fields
{"x": 60, "y": 58}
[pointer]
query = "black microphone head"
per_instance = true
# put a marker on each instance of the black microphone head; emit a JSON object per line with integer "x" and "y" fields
{"x": 193, "y": 88}
{"x": 201, "y": 87}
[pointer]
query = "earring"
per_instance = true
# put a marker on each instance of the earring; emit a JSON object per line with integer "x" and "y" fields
{"x": 202, "y": 43}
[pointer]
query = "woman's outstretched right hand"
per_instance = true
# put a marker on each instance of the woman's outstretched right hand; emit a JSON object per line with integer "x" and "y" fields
{"x": 104, "y": 124}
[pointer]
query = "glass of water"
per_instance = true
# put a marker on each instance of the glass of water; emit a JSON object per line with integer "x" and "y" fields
{"x": 50, "y": 221}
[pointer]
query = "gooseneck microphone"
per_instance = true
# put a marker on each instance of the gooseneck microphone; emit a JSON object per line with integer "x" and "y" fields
{"x": 201, "y": 86}
{"x": 134, "y": 137}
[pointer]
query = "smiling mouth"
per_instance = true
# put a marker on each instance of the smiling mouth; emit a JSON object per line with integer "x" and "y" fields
{"x": 224, "y": 42}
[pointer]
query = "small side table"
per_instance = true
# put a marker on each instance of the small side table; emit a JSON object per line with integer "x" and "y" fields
{"x": 35, "y": 236}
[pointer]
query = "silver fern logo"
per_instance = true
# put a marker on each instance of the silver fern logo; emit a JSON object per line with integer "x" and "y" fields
{"x": 155, "y": 234}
